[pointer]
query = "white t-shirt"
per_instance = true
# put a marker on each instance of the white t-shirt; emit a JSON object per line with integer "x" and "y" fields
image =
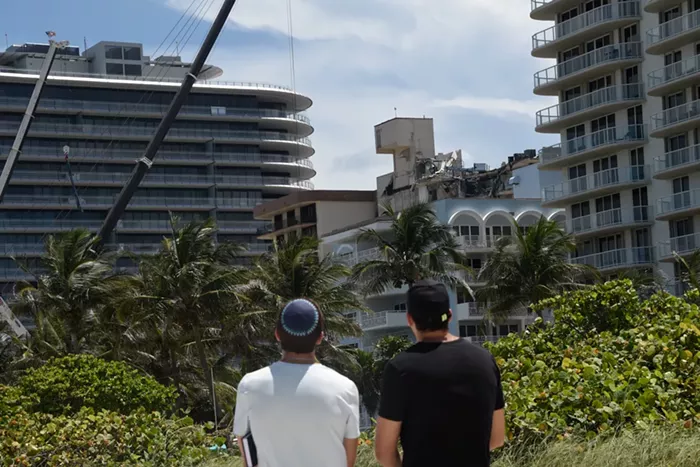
{"x": 298, "y": 415}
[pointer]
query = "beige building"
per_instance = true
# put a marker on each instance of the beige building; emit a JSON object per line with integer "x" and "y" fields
{"x": 627, "y": 78}
{"x": 315, "y": 213}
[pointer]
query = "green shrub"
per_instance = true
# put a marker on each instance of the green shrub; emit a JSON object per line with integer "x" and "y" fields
{"x": 90, "y": 438}
{"x": 609, "y": 361}
{"x": 68, "y": 384}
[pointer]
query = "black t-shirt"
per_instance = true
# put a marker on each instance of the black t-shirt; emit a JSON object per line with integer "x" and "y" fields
{"x": 445, "y": 395}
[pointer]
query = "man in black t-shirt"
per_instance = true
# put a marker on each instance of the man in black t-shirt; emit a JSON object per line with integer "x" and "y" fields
{"x": 442, "y": 396}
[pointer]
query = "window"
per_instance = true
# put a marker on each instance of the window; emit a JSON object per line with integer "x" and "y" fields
{"x": 132, "y": 53}
{"x": 114, "y": 53}
{"x": 667, "y": 16}
{"x": 467, "y": 230}
{"x": 600, "y": 83}
{"x": 400, "y": 307}
{"x": 605, "y": 171}
{"x": 132, "y": 70}
{"x": 598, "y": 43}
{"x": 115, "y": 69}
{"x": 630, "y": 34}
{"x": 635, "y": 119}
{"x": 218, "y": 110}
{"x": 640, "y": 201}
{"x": 607, "y": 203}
{"x": 580, "y": 210}
{"x": 674, "y": 100}
{"x": 468, "y": 330}
{"x": 463, "y": 296}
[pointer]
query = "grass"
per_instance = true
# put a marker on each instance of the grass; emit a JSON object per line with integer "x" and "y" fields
{"x": 653, "y": 448}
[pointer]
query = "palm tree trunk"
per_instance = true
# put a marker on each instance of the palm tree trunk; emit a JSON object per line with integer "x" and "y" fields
{"x": 205, "y": 369}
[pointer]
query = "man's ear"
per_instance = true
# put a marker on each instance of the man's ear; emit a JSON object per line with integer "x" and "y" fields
{"x": 277, "y": 335}
{"x": 409, "y": 319}
{"x": 320, "y": 338}
{"x": 449, "y": 314}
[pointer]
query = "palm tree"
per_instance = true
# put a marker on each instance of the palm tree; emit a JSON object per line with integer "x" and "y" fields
{"x": 190, "y": 288}
{"x": 294, "y": 270}
{"x": 529, "y": 267}
{"x": 75, "y": 282}
{"x": 417, "y": 246}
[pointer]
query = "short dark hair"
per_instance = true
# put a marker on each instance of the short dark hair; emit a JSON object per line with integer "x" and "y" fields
{"x": 300, "y": 342}
{"x": 428, "y": 304}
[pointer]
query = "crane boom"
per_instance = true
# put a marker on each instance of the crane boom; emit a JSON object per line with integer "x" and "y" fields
{"x": 16, "y": 149}
{"x": 143, "y": 164}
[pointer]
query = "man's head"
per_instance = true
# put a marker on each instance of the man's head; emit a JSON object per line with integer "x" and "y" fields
{"x": 300, "y": 326}
{"x": 428, "y": 305}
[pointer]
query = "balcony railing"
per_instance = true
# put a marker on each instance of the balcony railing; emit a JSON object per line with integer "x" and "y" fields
{"x": 130, "y": 155}
{"x": 629, "y": 134}
{"x": 611, "y": 218}
{"x": 675, "y": 115}
{"x": 129, "y": 108}
{"x": 677, "y": 158}
{"x": 151, "y": 178}
{"x": 673, "y": 72}
{"x": 623, "y": 257}
{"x": 681, "y": 245}
{"x": 607, "y": 54}
{"x": 354, "y": 258}
{"x": 678, "y": 202}
{"x": 147, "y": 79}
{"x": 144, "y": 132}
{"x": 473, "y": 242}
{"x": 155, "y": 202}
{"x": 598, "y": 98}
{"x": 602, "y": 14}
{"x": 604, "y": 178}
{"x": 673, "y": 28}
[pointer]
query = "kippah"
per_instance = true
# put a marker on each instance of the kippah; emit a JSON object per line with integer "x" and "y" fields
{"x": 299, "y": 317}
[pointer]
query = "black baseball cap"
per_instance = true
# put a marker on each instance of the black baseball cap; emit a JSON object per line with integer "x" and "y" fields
{"x": 428, "y": 303}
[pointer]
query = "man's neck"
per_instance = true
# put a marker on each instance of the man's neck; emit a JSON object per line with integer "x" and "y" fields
{"x": 436, "y": 336}
{"x": 300, "y": 358}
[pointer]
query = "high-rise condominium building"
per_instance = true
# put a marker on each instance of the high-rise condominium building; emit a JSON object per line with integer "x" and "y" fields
{"x": 627, "y": 77}
{"x": 232, "y": 147}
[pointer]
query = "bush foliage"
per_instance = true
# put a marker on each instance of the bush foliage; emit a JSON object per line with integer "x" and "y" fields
{"x": 610, "y": 360}
{"x": 66, "y": 385}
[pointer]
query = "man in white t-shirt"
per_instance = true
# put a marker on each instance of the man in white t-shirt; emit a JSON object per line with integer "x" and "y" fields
{"x": 299, "y": 412}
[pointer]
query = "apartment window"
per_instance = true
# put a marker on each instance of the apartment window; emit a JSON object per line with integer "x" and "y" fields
{"x": 567, "y": 15}
{"x": 505, "y": 329}
{"x": 603, "y": 123}
{"x": 603, "y": 130}
{"x": 681, "y": 227}
{"x": 466, "y": 230}
{"x": 474, "y": 263}
{"x": 115, "y": 69}
{"x": 132, "y": 70}
{"x": 630, "y": 34}
{"x": 640, "y": 201}
{"x": 468, "y": 330}
{"x": 695, "y": 5}
{"x": 674, "y": 100}
{"x": 681, "y": 192}
{"x": 308, "y": 213}
{"x": 668, "y": 15}
{"x": 681, "y": 184}
{"x": 400, "y": 307}
{"x": 610, "y": 243}
{"x": 580, "y": 210}
{"x": 632, "y": 76}
{"x": 598, "y": 43}
{"x": 114, "y": 53}
{"x": 132, "y": 53}
{"x": 569, "y": 54}
{"x": 600, "y": 83}
{"x": 675, "y": 143}
{"x": 635, "y": 115}
{"x": 607, "y": 203}
{"x": 593, "y": 4}
{"x": 309, "y": 232}
{"x": 642, "y": 238}
{"x": 463, "y": 296}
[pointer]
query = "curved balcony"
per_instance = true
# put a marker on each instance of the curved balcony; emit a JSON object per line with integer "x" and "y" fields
{"x": 271, "y": 162}
{"x": 617, "y": 259}
{"x": 588, "y": 106}
{"x": 269, "y": 139}
{"x": 673, "y": 77}
{"x": 683, "y": 204}
{"x": 676, "y": 163}
{"x": 602, "y": 142}
{"x": 471, "y": 310}
{"x": 546, "y": 10}
{"x": 29, "y": 177}
{"x": 380, "y": 320}
{"x": 683, "y": 246}
{"x": 657, "y": 6}
{"x": 610, "y": 221}
{"x": 584, "y": 27}
{"x": 354, "y": 258}
{"x": 675, "y": 120}
{"x": 106, "y": 202}
{"x": 595, "y": 185}
{"x": 552, "y": 80}
{"x": 673, "y": 34}
{"x": 301, "y": 101}
{"x": 298, "y": 122}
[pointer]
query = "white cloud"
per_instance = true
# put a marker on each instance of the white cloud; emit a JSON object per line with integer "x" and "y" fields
{"x": 464, "y": 62}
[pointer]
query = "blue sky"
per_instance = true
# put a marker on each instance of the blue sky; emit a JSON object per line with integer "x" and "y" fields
{"x": 466, "y": 63}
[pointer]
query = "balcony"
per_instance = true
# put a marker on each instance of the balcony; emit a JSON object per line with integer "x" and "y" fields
{"x": 683, "y": 246}
{"x": 595, "y": 185}
{"x": 38, "y": 249}
{"x": 471, "y": 310}
{"x": 584, "y": 27}
{"x": 270, "y": 139}
{"x": 47, "y": 225}
{"x": 607, "y": 141}
{"x": 106, "y": 202}
{"x": 30, "y": 153}
{"x": 657, "y": 6}
{"x": 681, "y": 204}
{"x": 552, "y": 80}
{"x": 618, "y": 259}
{"x": 673, "y": 77}
{"x": 676, "y": 163}
{"x": 381, "y": 320}
{"x": 351, "y": 259}
{"x": 546, "y": 10}
{"x": 474, "y": 243}
{"x": 610, "y": 221}
{"x": 588, "y": 106}
{"x": 675, "y": 120}
{"x": 673, "y": 34}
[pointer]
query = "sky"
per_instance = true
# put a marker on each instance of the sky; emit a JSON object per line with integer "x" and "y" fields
{"x": 465, "y": 63}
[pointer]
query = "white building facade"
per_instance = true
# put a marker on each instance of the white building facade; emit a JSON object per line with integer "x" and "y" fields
{"x": 627, "y": 77}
